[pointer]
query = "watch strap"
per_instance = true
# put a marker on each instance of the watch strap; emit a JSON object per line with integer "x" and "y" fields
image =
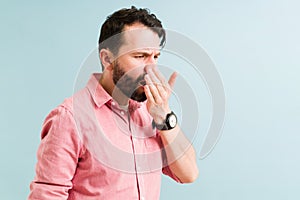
{"x": 165, "y": 125}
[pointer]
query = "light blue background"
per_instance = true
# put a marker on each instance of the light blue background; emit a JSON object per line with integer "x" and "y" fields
{"x": 255, "y": 45}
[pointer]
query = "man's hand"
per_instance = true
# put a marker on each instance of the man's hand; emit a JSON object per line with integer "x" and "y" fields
{"x": 158, "y": 92}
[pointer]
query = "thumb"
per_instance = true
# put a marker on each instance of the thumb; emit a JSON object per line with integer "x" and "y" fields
{"x": 172, "y": 79}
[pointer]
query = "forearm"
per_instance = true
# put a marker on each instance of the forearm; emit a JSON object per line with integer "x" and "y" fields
{"x": 179, "y": 151}
{"x": 180, "y": 155}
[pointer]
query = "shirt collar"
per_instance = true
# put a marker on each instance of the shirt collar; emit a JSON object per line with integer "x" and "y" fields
{"x": 98, "y": 93}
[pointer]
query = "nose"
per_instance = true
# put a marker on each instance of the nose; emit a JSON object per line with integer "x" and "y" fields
{"x": 149, "y": 66}
{"x": 151, "y": 59}
{"x": 151, "y": 62}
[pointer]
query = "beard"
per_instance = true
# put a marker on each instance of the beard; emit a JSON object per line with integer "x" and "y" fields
{"x": 130, "y": 87}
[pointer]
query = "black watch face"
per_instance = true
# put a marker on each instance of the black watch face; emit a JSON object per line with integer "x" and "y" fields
{"x": 172, "y": 121}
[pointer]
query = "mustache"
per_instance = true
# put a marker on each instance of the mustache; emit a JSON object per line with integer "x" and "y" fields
{"x": 127, "y": 80}
{"x": 141, "y": 80}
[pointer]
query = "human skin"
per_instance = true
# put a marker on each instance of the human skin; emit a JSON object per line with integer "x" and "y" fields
{"x": 139, "y": 55}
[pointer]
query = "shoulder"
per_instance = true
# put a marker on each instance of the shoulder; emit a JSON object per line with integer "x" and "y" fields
{"x": 61, "y": 118}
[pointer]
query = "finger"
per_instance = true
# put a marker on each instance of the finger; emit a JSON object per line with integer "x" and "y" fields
{"x": 148, "y": 94}
{"x": 159, "y": 76}
{"x": 172, "y": 79}
{"x": 163, "y": 92}
{"x": 153, "y": 89}
{"x": 165, "y": 88}
{"x": 161, "y": 88}
{"x": 153, "y": 77}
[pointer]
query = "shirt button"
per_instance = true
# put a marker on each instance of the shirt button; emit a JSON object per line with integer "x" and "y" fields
{"x": 122, "y": 112}
{"x": 113, "y": 103}
{"x": 142, "y": 198}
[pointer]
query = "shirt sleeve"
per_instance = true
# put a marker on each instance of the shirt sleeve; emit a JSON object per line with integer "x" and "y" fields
{"x": 167, "y": 171}
{"x": 57, "y": 157}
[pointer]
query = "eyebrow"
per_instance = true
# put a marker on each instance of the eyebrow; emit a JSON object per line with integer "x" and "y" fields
{"x": 145, "y": 52}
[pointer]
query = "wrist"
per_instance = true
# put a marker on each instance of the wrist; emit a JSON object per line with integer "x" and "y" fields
{"x": 167, "y": 123}
{"x": 160, "y": 117}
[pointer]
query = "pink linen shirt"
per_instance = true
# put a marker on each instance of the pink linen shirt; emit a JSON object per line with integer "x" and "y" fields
{"x": 91, "y": 148}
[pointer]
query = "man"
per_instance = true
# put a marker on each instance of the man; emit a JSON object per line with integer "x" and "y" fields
{"x": 112, "y": 139}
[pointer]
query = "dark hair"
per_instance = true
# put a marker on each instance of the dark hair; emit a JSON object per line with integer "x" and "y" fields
{"x": 115, "y": 23}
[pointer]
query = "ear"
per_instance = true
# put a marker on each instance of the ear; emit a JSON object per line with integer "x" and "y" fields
{"x": 106, "y": 58}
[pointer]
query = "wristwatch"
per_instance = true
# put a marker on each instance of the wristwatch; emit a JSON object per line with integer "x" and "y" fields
{"x": 169, "y": 123}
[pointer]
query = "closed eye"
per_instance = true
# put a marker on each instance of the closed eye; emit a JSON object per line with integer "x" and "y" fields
{"x": 140, "y": 56}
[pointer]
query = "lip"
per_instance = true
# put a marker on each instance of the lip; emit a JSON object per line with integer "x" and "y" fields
{"x": 140, "y": 87}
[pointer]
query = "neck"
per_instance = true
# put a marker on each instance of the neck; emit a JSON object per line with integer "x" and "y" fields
{"x": 109, "y": 86}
